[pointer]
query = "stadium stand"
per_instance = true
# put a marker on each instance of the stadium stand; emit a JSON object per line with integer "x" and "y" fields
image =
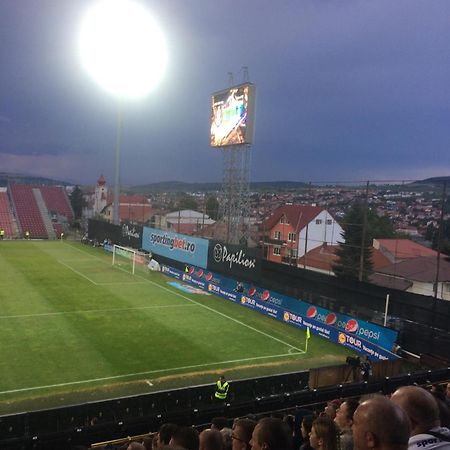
{"x": 56, "y": 201}
{"x": 110, "y": 423}
{"x": 41, "y": 210}
{"x": 6, "y": 217}
{"x": 27, "y": 211}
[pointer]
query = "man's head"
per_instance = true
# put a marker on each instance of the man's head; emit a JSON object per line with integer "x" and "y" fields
{"x": 271, "y": 434}
{"x": 185, "y": 437}
{"x": 242, "y": 434}
{"x": 379, "y": 423}
{"x": 448, "y": 390}
{"x": 218, "y": 423}
{"x": 344, "y": 414}
{"x": 331, "y": 408}
{"x": 210, "y": 440}
{"x": 165, "y": 433}
{"x": 420, "y": 406}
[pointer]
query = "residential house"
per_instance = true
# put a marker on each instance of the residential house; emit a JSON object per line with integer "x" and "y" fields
{"x": 294, "y": 230}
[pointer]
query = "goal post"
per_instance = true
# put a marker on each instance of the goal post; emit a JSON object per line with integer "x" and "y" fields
{"x": 127, "y": 255}
{"x": 120, "y": 253}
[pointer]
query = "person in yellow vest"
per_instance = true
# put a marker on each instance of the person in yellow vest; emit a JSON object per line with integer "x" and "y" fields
{"x": 27, "y": 234}
{"x": 222, "y": 387}
{"x": 2, "y": 233}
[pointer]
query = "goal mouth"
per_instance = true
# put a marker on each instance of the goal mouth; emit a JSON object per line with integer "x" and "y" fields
{"x": 127, "y": 258}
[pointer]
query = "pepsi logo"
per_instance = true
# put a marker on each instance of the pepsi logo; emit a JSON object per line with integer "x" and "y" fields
{"x": 265, "y": 295}
{"x": 352, "y": 326}
{"x": 311, "y": 312}
{"x": 251, "y": 291}
{"x": 209, "y": 276}
{"x": 331, "y": 319}
{"x": 200, "y": 273}
{"x": 191, "y": 270}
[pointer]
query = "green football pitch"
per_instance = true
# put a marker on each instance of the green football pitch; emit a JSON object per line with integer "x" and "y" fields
{"x": 75, "y": 328}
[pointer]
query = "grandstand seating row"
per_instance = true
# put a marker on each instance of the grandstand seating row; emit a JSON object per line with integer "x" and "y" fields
{"x": 28, "y": 213}
{"x": 6, "y": 217}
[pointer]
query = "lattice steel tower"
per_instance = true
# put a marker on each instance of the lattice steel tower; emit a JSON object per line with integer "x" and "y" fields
{"x": 234, "y": 199}
{"x": 234, "y": 202}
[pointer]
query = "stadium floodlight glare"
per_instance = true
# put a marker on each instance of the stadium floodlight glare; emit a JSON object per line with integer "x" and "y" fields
{"x": 122, "y": 48}
{"x": 124, "y": 51}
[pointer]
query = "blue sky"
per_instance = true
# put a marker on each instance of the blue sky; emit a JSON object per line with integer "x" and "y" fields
{"x": 346, "y": 90}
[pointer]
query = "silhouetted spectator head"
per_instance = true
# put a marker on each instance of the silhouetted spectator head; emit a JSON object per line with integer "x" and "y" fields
{"x": 306, "y": 426}
{"x": 331, "y": 408}
{"x": 217, "y": 423}
{"x": 210, "y": 440}
{"x": 165, "y": 433}
{"x": 448, "y": 391}
{"x": 420, "y": 406}
{"x": 323, "y": 434}
{"x": 444, "y": 408}
{"x": 344, "y": 414}
{"x": 379, "y": 423}
{"x": 135, "y": 446}
{"x": 271, "y": 434}
{"x": 148, "y": 441}
{"x": 185, "y": 437}
{"x": 242, "y": 434}
{"x": 226, "y": 437}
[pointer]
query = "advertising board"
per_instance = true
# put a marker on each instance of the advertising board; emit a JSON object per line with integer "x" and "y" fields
{"x": 127, "y": 235}
{"x": 374, "y": 341}
{"x": 233, "y": 116}
{"x": 180, "y": 247}
{"x": 239, "y": 262}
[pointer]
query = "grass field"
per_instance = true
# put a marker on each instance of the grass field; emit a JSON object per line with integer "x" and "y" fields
{"x": 74, "y": 328}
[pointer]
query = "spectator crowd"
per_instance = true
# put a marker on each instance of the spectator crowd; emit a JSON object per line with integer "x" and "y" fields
{"x": 412, "y": 418}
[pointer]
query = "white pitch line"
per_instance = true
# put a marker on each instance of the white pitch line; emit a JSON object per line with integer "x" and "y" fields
{"x": 174, "y": 369}
{"x": 206, "y": 307}
{"x": 78, "y": 273}
{"x": 83, "y": 311}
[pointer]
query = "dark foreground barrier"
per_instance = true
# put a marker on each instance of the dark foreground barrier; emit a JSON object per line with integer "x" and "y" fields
{"x": 99, "y": 421}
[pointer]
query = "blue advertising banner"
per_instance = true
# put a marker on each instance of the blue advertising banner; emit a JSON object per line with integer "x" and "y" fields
{"x": 186, "y": 249}
{"x": 338, "y": 328}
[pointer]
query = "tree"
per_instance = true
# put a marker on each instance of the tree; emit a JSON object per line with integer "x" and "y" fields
{"x": 212, "y": 207}
{"x": 76, "y": 201}
{"x": 186, "y": 202}
{"x": 349, "y": 251}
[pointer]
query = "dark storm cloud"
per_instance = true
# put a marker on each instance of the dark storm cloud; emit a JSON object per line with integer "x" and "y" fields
{"x": 345, "y": 89}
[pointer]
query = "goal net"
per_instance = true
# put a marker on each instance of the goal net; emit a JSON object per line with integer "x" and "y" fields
{"x": 127, "y": 258}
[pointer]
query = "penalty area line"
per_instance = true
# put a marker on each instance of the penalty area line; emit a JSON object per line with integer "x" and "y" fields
{"x": 148, "y": 372}
{"x": 290, "y": 346}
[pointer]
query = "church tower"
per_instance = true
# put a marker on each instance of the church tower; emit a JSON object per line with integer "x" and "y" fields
{"x": 100, "y": 195}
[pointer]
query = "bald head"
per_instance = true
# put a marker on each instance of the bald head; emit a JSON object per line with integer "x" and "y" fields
{"x": 380, "y": 424}
{"x": 420, "y": 406}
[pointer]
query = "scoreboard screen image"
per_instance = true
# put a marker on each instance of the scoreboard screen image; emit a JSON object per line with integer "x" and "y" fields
{"x": 233, "y": 116}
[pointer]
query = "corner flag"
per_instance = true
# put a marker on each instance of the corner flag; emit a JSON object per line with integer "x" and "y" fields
{"x": 308, "y": 336}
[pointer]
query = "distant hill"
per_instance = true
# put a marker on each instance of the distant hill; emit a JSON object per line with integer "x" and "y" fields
{"x": 18, "y": 178}
{"x": 434, "y": 180}
{"x": 179, "y": 186}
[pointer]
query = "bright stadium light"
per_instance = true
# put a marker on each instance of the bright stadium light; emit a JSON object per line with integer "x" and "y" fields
{"x": 122, "y": 47}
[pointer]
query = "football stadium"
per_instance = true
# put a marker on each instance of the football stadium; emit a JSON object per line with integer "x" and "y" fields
{"x": 177, "y": 315}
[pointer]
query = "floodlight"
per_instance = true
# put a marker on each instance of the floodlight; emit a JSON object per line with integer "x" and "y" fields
{"x": 122, "y": 47}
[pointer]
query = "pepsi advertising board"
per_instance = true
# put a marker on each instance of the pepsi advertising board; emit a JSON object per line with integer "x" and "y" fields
{"x": 180, "y": 247}
{"x": 239, "y": 262}
{"x": 357, "y": 335}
